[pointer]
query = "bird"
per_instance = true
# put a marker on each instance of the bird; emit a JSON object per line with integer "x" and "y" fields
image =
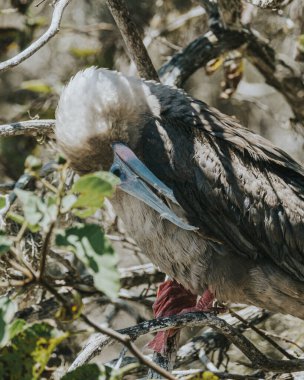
{"x": 215, "y": 206}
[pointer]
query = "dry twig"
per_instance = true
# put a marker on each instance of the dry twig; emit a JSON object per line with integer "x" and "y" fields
{"x": 53, "y": 29}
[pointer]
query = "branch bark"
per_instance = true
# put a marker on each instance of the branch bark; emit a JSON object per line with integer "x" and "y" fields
{"x": 132, "y": 39}
{"x": 53, "y": 29}
{"x": 270, "y": 4}
{"x": 257, "y": 358}
{"x": 28, "y": 127}
{"x": 285, "y": 77}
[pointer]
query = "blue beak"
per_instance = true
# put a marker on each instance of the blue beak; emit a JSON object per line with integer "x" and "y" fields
{"x": 138, "y": 181}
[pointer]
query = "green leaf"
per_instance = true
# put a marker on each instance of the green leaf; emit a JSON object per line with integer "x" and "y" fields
{"x": 33, "y": 163}
{"x": 68, "y": 202}
{"x": 83, "y": 53}
{"x": 205, "y": 375}
{"x": 73, "y": 309}
{"x": 37, "y": 213}
{"x": 86, "y": 371}
{"x": 90, "y": 245}
{"x": 30, "y": 350}
{"x": 5, "y": 243}
{"x": 7, "y": 312}
{"x": 19, "y": 219}
{"x": 36, "y": 86}
{"x": 16, "y": 327}
{"x": 2, "y": 201}
{"x": 92, "y": 190}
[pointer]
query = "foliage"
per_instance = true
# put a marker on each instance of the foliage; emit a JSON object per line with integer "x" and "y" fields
{"x": 29, "y": 347}
{"x": 90, "y": 245}
{"x": 29, "y": 351}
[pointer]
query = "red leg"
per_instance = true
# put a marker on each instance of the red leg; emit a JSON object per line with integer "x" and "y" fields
{"x": 172, "y": 298}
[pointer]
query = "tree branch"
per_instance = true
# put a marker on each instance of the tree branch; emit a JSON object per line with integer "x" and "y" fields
{"x": 127, "y": 342}
{"x": 284, "y": 77}
{"x": 257, "y": 358}
{"x": 270, "y": 4}
{"x": 28, "y": 127}
{"x": 53, "y": 29}
{"x": 132, "y": 39}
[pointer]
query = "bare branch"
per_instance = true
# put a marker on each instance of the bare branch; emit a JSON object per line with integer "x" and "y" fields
{"x": 197, "y": 54}
{"x": 270, "y": 4}
{"x": 59, "y": 8}
{"x": 257, "y": 358}
{"x": 28, "y": 127}
{"x": 132, "y": 39}
{"x": 126, "y": 341}
{"x": 284, "y": 77}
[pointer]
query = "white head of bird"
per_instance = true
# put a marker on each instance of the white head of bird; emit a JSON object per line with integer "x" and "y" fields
{"x": 99, "y": 107}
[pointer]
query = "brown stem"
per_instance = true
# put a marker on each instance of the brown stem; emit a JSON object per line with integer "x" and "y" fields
{"x": 132, "y": 39}
{"x": 126, "y": 341}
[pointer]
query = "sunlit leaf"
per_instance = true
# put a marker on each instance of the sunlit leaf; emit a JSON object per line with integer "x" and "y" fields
{"x": 36, "y": 86}
{"x": 19, "y": 219}
{"x": 83, "y": 53}
{"x": 30, "y": 350}
{"x": 92, "y": 190}
{"x": 206, "y": 375}
{"x": 213, "y": 65}
{"x": 38, "y": 213}
{"x": 33, "y": 163}
{"x": 2, "y": 201}
{"x": 73, "y": 310}
{"x": 233, "y": 73}
{"x": 300, "y": 49}
{"x": 7, "y": 312}
{"x": 16, "y": 327}
{"x": 90, "y": 245}
{"x": 68, "y": 202}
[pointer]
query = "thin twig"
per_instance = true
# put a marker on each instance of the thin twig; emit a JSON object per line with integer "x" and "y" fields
{"x": 45, "y": 248}
{"x": 132, "y": 39}
{"x": 49, "y": 234}
{"x": 53, "y": 29}
{"x": 263, "y": 335}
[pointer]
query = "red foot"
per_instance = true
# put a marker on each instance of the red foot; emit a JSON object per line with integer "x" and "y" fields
{"x": 173, "y": 298}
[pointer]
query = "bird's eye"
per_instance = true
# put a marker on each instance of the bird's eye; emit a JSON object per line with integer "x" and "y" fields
{"x": 115, "y": 169}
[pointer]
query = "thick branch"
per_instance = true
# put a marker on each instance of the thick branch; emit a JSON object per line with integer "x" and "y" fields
{"x": 59, "y": 8}
{"x": 197, "y": 54}
{"x": 257, "y": 358}
{"x": 29, "y": 127}
{"x": 132, "y": 39}
{"x": 287, "y": 79}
